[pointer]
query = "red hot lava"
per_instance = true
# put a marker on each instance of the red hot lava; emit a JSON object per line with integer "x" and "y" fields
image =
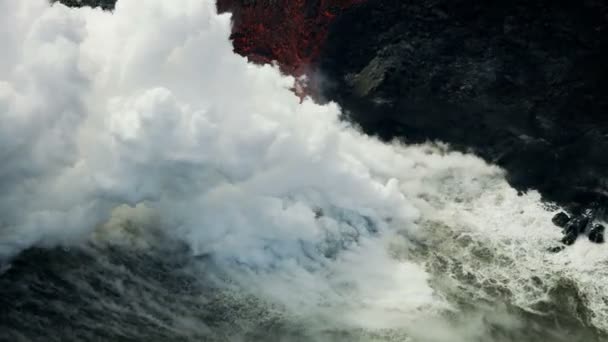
{"x": 291, "y": 32}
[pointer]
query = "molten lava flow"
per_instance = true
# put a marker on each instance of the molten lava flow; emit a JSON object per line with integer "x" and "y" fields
{"x": 291, "y": 32}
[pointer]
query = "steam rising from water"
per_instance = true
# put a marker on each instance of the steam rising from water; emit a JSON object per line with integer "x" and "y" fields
{"x": 146, "y": 116}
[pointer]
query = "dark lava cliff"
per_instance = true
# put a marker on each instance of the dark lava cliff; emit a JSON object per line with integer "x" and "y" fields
{"x": 521, "y": 83}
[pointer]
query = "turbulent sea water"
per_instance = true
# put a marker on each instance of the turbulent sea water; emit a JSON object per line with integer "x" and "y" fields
{"x": 157, "y": 187}
{"x": 153, "y": 289}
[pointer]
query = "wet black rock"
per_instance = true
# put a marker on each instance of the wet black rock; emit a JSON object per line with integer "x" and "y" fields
{"x": 523, "y": 84}
{"x": 560, "y": 219}
{"x": 596, "y": 234}
{"x": 577, "y": 225}
{"x": 581, "y": 224}
{"x": 556, "y": 249}
{"x": 105, "y": 4}
{"x": 569, "y": 238}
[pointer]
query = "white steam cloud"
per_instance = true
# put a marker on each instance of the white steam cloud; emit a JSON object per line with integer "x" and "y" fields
{"x": 149, "y": 106}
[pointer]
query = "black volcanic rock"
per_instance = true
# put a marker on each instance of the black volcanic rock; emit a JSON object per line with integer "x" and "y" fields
{"x": 577, "y": 225}
{"x": 596, "y": 234}
{"x": 523, "y": 84}
{"x": 569, "y": 239}
{"x": 560, "y": 219}
{"x": 556, "y": 249}
{"x": 105, "y": 4}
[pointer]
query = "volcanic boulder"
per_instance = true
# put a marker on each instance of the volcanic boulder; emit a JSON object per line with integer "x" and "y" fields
{"x": 560, "y": 219}
{"x": 105, "y": 4}
{"x": 596, "y": 234}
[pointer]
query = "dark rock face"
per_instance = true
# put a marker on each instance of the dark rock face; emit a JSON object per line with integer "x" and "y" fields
{"x": 521, "y": 83}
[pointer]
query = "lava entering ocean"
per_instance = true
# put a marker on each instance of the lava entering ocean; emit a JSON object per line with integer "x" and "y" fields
{"x": 158, "y": 187}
